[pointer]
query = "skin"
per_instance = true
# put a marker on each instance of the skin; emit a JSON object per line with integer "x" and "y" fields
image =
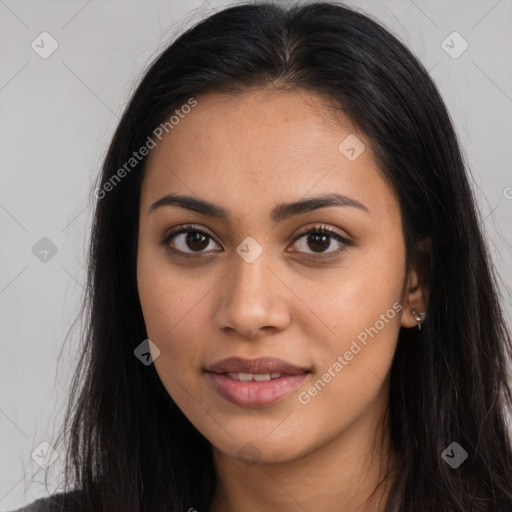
{"x": 248, "y": 153}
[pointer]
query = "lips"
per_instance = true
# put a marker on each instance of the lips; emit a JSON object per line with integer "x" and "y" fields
{"x": 255, "y": 382}
{"x": 262, "y": 365}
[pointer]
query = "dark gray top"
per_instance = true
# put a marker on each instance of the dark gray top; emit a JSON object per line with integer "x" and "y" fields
{"x": 61, "y": 502}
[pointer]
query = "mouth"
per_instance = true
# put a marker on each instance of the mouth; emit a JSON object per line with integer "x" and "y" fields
{"x": 255, "y": 382}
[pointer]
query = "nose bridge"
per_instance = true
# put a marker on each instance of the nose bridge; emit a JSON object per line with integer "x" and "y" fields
{"x": 249, "y": 274}
{"x": 249, "y": 263}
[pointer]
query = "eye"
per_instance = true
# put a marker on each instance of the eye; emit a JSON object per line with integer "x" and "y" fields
{"x": 190, "y": 240}
{"x": 319, "y": 239}
{"x": 187, "y": 237}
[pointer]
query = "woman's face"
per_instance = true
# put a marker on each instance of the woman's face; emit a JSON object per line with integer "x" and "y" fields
{"x": 254, "y": 284}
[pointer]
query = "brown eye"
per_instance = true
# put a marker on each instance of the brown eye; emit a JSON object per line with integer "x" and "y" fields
{"x": 319, "y": 240}
{"x": 188, "y": 240}
{"x": 196, "y": 241}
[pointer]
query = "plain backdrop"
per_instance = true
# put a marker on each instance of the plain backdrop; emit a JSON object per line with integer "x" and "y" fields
{"x": 58, "y": 114}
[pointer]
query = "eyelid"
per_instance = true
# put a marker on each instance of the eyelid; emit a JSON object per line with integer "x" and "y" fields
{"x": 330, "y": 230}
{"x": 189, "y": 227}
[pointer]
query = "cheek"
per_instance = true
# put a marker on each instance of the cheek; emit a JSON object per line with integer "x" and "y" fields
{"x": 173, "y": 324}
{"x": 173, "y": 303}
{"x": 172, "y": 309}
{"x": 350, "y": 379}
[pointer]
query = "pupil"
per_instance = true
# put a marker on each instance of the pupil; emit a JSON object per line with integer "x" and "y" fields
{"x": 194, "y": 237}
{"x": 324, "y": 244}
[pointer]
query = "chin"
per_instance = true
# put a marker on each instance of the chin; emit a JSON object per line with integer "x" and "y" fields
{"x": 255, "y": 450}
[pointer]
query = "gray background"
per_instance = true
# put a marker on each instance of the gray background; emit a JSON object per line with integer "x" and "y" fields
{"x": 57, "y": 117}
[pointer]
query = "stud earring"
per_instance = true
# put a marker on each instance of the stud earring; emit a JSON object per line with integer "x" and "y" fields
{"x": 418, "y": 317}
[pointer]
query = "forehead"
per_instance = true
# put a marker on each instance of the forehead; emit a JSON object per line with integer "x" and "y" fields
{"x": 264, "y": 144}
{"x": 282, "y": 123}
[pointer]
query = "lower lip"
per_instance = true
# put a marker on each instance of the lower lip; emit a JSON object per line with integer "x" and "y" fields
{"x": 255, "y": 393}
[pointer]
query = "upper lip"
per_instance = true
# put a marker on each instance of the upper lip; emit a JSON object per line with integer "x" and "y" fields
{"x": 258, "y": 366}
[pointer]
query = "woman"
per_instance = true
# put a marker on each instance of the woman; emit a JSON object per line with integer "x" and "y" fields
{"x": 291, "y": 303}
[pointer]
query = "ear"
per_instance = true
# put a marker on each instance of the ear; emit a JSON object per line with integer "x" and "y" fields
{"x": 415, "y": 293}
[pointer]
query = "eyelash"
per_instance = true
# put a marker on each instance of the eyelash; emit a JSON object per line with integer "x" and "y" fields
{"x": 323, "y": 229}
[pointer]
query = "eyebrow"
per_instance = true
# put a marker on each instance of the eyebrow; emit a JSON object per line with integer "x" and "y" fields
{"x": 280, "y": 213}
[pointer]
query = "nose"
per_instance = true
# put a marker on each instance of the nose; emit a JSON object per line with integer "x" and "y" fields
{"x": 253, "y": 298}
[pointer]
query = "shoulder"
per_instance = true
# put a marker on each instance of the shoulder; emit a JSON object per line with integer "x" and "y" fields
{"x": 61, "y": 502}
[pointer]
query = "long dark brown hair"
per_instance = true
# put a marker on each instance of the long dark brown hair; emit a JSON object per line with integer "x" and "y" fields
{"x": 129, "y": 446}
